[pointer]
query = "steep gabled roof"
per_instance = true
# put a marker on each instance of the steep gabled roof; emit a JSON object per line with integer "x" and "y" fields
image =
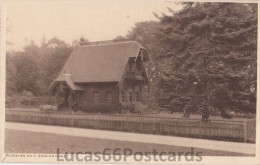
{"x": 67, "y": 79}
{"x": 99, "y": 62}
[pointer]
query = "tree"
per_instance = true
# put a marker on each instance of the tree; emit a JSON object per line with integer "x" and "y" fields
{"x": 210, "y": 54}
{"x": 203, "y": 56}
{"x": 80, "y": 42}
{"x": 26, "y": 73}
{"x": 53, "y": 56}
{"x": 118, "y": 38}
{"x": 35, "y": 68}
{"x": 10, "y": 74}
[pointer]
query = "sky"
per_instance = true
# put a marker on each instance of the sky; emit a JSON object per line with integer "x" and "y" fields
{"x": 68, "y": 20}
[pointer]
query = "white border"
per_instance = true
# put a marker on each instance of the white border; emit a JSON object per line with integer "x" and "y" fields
{"x": 207, "y": 159}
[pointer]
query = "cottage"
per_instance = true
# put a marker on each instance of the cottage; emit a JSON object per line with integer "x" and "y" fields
{"x": 101, "y": 75}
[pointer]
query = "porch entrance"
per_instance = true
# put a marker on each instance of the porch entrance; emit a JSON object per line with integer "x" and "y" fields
{"x": 65, "y": 96}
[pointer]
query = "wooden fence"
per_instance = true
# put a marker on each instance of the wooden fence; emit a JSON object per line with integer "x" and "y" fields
{"x": 215, "y": 129}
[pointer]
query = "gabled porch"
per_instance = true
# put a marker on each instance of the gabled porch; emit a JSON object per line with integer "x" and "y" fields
{"x": 66, "y": 89}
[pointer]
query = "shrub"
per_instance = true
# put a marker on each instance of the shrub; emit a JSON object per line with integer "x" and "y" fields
{"x": 25, "y": 99}
{"x": 48, "y": 108}
{"x": 12, "y": 102}
{"x": 126, "y": 106}
{"x": 98, "y": 107}
{"x": 134, "y": 107}
{"x": 19, "y": 100}
{"x": 139, "y": 107}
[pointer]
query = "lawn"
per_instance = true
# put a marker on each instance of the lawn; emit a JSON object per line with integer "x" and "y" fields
{"x": 17, "y": 141}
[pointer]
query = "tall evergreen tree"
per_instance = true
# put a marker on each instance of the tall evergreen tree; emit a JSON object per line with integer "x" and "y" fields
{"x": 209, "y": 57}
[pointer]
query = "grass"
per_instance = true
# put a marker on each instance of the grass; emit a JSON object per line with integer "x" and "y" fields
{"x": 17, "y": 141}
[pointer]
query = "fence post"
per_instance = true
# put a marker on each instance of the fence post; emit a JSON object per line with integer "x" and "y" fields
{"x": 12, "y": 119}
{"x": 199, "y": 129}
{"x": 72, "y": 120}
{"x": 161, "y": 127}
{"x": 49, "y": 119}
{"x": 245, "y": 130}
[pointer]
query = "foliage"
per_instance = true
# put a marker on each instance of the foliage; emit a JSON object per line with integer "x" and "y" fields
{"x": 48, "y": 108}
{"x": 139, "y": 107}
{"x": 204, "y": 57}
{"x": 22, "y": 100}
{"x": 98, "y": 107}
{"x": 35, "y": 68}
{"x": 133, "y": 107}
{"x": 213, "y": 55}
{"x": 80, "y": 42}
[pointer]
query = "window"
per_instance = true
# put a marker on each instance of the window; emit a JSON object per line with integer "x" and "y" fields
{"x": 137, "y": 96}
{"x": 108, "y": 96}
{"x": 123, "y": 96}
{"x": 85, "y": 94}
{"x": 131, "y": 65}
{"x": 130, "y": 96}
{"x": 139, "y": 63}
{"x": 95, "y": 96}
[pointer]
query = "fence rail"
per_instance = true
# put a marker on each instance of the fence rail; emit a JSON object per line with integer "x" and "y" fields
{"x": 216, "y": 129}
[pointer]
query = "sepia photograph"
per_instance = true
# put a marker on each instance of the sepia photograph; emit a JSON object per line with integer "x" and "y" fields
{"x": 143, "y": 81}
